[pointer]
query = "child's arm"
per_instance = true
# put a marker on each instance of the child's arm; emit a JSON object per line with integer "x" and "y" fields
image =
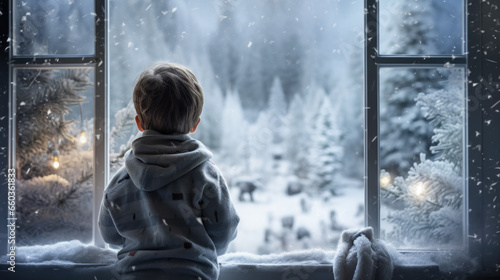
{"x": 220, "y": 218}
{"x": 107, "y": 226}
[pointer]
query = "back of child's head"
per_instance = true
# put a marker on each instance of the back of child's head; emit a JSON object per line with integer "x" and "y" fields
{"x": 168, "y": 99}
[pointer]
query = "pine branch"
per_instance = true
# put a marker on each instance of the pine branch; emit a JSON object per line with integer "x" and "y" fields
{"x": 44, "y": 97}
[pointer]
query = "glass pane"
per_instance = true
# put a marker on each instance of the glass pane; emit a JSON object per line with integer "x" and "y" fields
{"x": 422, "y": 153}
{"x": 421, "y": 27}
{"x": 54, "y": 154}
{"x": 283, "y": 109}
{"x": 55, "y": 27}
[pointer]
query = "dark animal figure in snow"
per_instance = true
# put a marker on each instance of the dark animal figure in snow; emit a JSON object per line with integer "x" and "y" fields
{"x": 246, "y": 187}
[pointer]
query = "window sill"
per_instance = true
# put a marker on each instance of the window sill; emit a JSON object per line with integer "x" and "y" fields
{"x": 228, "y": 272}
{"x": 317, "y": 272}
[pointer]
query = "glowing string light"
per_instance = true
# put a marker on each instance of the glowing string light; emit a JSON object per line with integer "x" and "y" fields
{"x": 83, "y": 137}
{"x": 55, "y": 157}
{"x": 385, "y": 180}
{"x": 418, "y": 190}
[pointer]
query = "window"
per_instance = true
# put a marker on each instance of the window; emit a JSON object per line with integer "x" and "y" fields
{"x": 57, "y": 122}
{"x": 50, "y": 44}
{"x": 54, "y": 155}
{"x": 422, "y": 128}
{"x": 283, "y": 106}
{"x": 53, "y": 28}
{"x": 416, "y": 123}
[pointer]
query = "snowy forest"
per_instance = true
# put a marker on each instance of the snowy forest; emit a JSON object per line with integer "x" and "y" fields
{"x": 283, "y": 109}
{"x": 284, "y": 113}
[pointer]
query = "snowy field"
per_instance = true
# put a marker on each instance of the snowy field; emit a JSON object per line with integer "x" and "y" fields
{"x": 311, "y": 216}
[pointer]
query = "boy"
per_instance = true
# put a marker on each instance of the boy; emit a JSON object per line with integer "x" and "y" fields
{"x": 168, "y": 207}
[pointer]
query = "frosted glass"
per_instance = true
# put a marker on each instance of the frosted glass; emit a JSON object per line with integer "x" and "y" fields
{"x": 54, "y": 154}
{"x": 421, "y": 27}
{"x": 422, "y": 128}
{"x": 55, "y": 27}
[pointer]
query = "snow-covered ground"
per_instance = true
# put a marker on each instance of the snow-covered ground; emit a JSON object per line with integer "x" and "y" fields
{"x": 311, "y": 213}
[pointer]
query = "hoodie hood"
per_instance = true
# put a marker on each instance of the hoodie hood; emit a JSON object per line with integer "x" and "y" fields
{"x": 157, "y": 159}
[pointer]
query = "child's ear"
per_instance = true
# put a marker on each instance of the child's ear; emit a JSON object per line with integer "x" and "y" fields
{"x": 138, "y": 122}
{"x": 193, "y": 130}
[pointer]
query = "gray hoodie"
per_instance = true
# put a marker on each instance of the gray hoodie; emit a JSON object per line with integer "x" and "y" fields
{"x": 169, "y": 208}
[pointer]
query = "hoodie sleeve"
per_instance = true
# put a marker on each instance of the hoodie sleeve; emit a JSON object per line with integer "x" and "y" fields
{"x": 107, "y": 227}
{"x": 220, "y": 217}
{"x": 106, "y": 224}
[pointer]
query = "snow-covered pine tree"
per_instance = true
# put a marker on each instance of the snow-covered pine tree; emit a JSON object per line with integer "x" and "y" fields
{"x": 432, "y": 194}
{"x": 301, "y": 120}
{"x": 124, "y": 127}
{"x": 210, "y": 129}
{"x": 277, "y": 111}
{"x": 404, "y": 131}
{"x": 415, "y": 34}
{"x": 234, "y": 143}
{"x": 52, "y": 209}
{"x": 44, "y": 97}
{"x": 327, "y": 152}
{"x": 445, "y": 110}
{"x": 259, "y": 148}
{"x": 50, "y": 206}
{"x": 297, "y": 138}
{"x": 291, "y": 69}
{"x": 352, "y": 115}
{"x": 124, "y": 120}
{"x": 223, "y": 49}
{"x": 249, "y": 84}
{"x": 433, "y": 190}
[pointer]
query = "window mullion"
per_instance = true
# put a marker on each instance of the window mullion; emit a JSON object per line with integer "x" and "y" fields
{"x": 101, "y": 120}
{"x": 473, "y": 194}
{"x": 416, "y": 61}
{"x": 53, "y": 60}
{"x": 372, "y": 190}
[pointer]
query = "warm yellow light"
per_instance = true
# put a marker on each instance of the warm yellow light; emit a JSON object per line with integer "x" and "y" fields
{"x": 55, "y": 158}
{"x": 419, "y": 189}
{"x": 56, "y": 162}
{"x": 385, "y": 180}
{"x": 83, "y": 137}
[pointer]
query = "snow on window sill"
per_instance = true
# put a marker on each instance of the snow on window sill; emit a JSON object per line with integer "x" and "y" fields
{"x": 62, "y": 253}
{"x": 76, "y": 260}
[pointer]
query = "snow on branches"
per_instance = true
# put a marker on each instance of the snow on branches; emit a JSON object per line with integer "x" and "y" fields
{"x": 432, "y": 192}
{"x": 44, "y": 97}
{"x": 432, "y": 197}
